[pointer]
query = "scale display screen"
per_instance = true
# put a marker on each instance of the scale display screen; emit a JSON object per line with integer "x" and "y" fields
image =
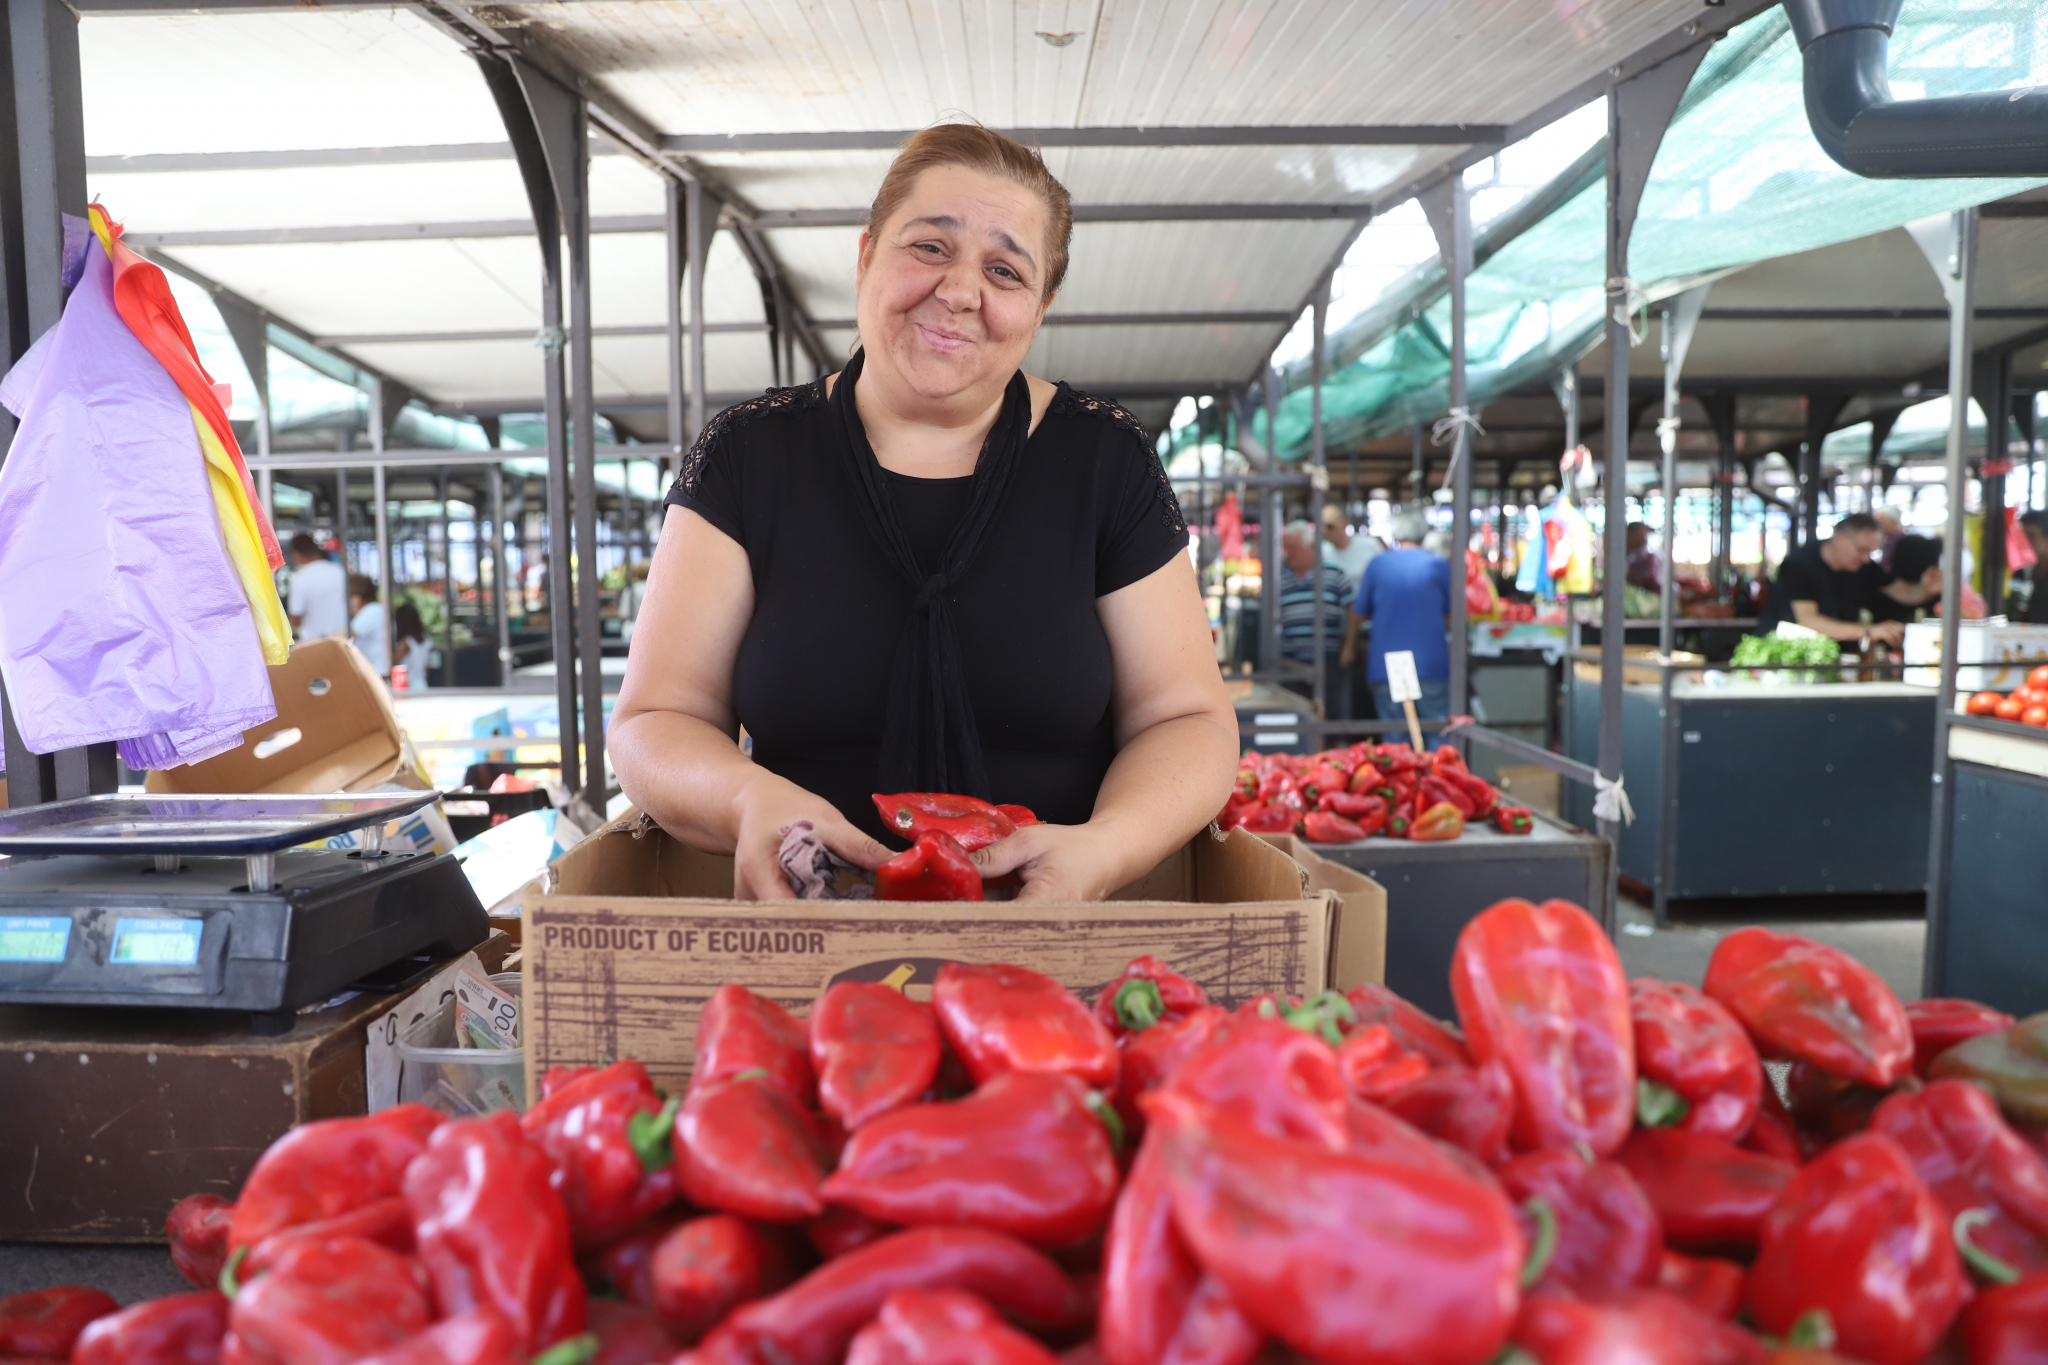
{"x": 157, "y": 942}
{"x": 33, "y": 938}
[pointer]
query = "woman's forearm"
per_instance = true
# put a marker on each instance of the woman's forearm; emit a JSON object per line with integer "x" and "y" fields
{"x": 686, "y": 773}
{"x": 1165, "y": 784}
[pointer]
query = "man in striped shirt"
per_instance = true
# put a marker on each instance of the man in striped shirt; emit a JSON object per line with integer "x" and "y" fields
{"x": 1298, "y": 553}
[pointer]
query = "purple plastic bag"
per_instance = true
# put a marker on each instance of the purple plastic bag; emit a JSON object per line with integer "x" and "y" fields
{"x": 120, "y": 615}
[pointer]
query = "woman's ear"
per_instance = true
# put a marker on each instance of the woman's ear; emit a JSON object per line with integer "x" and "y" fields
{"x": 860, "y": 260}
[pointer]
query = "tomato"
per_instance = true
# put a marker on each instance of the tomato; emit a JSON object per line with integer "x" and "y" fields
{"x": 2028, "y": 696}
{"x": 2039, "y": 677}
{"x": 2035, "y": 715}
{"x": 1984, "y": 703}
{"x": 2009, "y": 709}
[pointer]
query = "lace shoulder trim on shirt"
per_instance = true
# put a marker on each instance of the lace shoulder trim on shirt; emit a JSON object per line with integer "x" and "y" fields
{"x": 739, "y": 415}
{"x": 1070, "y": 400}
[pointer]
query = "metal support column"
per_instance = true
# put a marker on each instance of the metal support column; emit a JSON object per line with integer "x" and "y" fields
{"x": 501, "y": 596}
{"x": 1269, "y": 532}
{"x": 1448, "y": 207}
{"x": 1997, "y": 463}
{"x": 382, "y": 513}
{"x": 697, "y": 238}
{"x": 1721, "y": 412}
{"x": 1681, "y": 318}
{"x": 674, "y": 247}
{"x": 1957, "y": 268}
{"x": 1565, "y": 384}
{"x": 1319, "y": 483}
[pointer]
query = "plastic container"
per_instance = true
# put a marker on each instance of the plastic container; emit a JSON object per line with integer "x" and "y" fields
{"x": 460, "y": 1081}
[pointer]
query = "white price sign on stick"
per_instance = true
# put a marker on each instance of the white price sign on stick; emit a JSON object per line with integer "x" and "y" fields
{"x": 1406, "y": 688}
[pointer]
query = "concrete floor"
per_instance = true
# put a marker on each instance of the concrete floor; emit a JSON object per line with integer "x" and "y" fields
{"x": 1678, "y": 952}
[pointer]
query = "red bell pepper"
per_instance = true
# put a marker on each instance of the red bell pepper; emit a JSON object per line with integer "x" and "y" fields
{"x": 743, "y": 1146}
{"x": 178, "y": 1329}
{"x": 1540, "y": 989}
{"x": 811, "y": 1322}
{"x": 704, "y": 1268}
{"x": 1858, "y": 1236}
{"x": 1646, "y": 1326}
{"x": 607, "y": 1135}
{"x": 555, "y": 1077}
{"x": 969, "y": 822}
{"x": 1971, "y": 1158}
{"x": 2007, "y": 1324}
{"x": 1261, "y": 818}
{"x": 1413, "y": 1029}
{"x": 1441, "y": 791}
{"x": 1375, "y": 1066}
{"x": 46, "y": 1322}
{"x": 1484, "y": 796}
{"x": 1234, "y": 808}
{"x": 1158, "y": 1304}
{"x": 1367, "y": 812}
{"x": 739, "y": 1031}
{"x": 388, "y": 1223}
{"x": 1826, "y": 1108}
{"x": 1708, "y": 1193}
{"x": 1145, "y": 993}
{"x": 1441, "y": 820}
{"x": 1514, "y": 819}
{"x": 325, "y": 1168}
{"x": 1020, "y": 816}
{"x": 1279, "y": 1080}
{"x": 624, "y": 1265}
{"x": 1708, "y": 1283}
{"x": 874, "y": 1050}
{"x": 1351, "y": 1258}
{"x": 329, "y": 1302}
{"x": 935, "y": 868}
{"x": 492, "y": 1231}
{"x": 835, "y": 1232}
{"x": 1025, "y": 1154}
{"x": 1939, "y": 1025}
{"x": 1150, "y": 1058}
{"x": 478, "y": 1337}
{"x": 198, "y": 1233}
{"x": 1001, "y": 1018}
{"x": 1278, "y": 788}
{"x": 2012, "y": 1064}
{"x": 1328, "y": 827}
{"x": 942, "y": 1327}
{"x": 1322, "y": 778}
{"x": 627, "y": 1334}
{"x": 1806, "y": 1001}
{"x": 1774, "y": 1133}
{"x": 1695, "y": 1067}
{"x": 1472, "y": 1108}
{"x": 1605, "y": 1236}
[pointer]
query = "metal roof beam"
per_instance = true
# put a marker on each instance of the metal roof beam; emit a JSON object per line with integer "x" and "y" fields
{"x": 1054, "y": 319}
{"x": 1215, "y": 135}
{"x": 2016, "y": 314}
{"x": 1136, "y": 391}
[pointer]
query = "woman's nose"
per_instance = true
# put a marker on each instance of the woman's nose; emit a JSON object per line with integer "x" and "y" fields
{"x": 960, "y": 288}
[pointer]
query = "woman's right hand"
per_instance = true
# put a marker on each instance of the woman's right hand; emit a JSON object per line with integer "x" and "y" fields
{"x": 767, "y": 806}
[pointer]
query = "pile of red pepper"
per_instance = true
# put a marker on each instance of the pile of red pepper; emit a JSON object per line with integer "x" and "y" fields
{"x": 1340, "y": 796}
{"x": 1584, "y": 1169}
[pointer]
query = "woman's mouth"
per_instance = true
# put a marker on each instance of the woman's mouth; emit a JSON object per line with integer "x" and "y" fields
{"x": 944, "y": 342}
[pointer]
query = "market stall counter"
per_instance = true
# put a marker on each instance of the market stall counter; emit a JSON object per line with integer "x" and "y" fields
{"x": 1746, "y": 788}
{"x": 1992, "y": 939}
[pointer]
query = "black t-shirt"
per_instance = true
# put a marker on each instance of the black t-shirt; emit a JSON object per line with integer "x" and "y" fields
{"x": 1841, "y": 595}
{"x": 1088, "y": 511}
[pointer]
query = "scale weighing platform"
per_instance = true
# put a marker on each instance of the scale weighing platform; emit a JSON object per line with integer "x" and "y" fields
{"x": 211, "y": 902}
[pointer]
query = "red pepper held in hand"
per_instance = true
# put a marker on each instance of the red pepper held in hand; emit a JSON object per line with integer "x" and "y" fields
{"x": 739, "y": 1031}
{"x": 743, "y": 1146}
{"x": 968, "y": 821}
{"x": 1001, "y": 1018}
{"x": 1025, "y": 1154}
{"x": 607, "y": 1135}
{"x": 178, "y": 1329}
{"x": 942, "y": 1327}
{"x": 1971, "y": 1158}
{"x": 1857, "y": 1235}
{"x": 46, "y": 1322}
{"x": 1350, "y": 1258}
{"x": 1438, "y": 821}
{"x": 326, "y": 1168}
{"x": 1708, "y": 1193}
{"x": 1606, "y": 1238}
{"x": 1808, "y": 1002}
{"x": 1158, "y": 1304}
{"x": 1541, "y": 990}
{"x": 328, "y": 1302}
{"x": 1648, "y": 1325}
{"x": 1413, "y": 1029}
{"x": 935, "y": 868}
{"x": 1708, "y": 1283}
{"x": 874, "y": 1048}
{"x": 1696, "y": 1069}
{"x": 493, "y": 1232}
{"x": 1472, "y": 1108}
{"x": 198, "y": 1231}
{"x": 1939, "y": 1025}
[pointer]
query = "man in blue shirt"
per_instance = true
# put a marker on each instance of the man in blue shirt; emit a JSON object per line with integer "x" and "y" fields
{"x": 1406, "y": 596}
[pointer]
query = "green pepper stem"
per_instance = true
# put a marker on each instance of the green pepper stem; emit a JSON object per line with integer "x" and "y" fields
{"x": 1813, "y": 1330}
{"x": 1993, "y": 1268}
{"x": 1658, "y": 1105}
{"x": 1099, "y": 1104}
{"x": 570, "y": 1351}
{"x": 651, "y": 1135}
{"x": 1545, "y": 1245}
{"x": 231, "y": 1273}
{"x": 1138, "y": 1004}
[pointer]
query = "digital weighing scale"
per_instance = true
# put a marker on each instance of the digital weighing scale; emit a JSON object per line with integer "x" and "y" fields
{"x": 212, "y": 902}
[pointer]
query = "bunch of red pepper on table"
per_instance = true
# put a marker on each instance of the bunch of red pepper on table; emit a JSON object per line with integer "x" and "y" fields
{"x": 1340, "y": 796}
{"x": 1583, "y": 1169}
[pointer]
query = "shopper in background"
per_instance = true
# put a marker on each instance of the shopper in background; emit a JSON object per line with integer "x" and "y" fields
{"x": 1349, "y": 552}
{"x": 1297, "y": 618}
{"x": 1406, "y": 597}
{"x": 2034, "y": 526}
{"x": 1913, "y": 588}
{"x": 931, "y": 572}
{"x": 366, "y": 622}
{"x": 1825, "y": 585}
{"x": 317, "y": 598}
{"x": 1893, "y": 525}
{"x": 1645, "y": 567}
{"x": 415, "y": 650}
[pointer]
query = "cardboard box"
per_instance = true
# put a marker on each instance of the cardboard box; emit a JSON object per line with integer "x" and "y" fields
{"x": 1646, "y": 671}
{"x": 1989, "y": 657}
{"x": 1531, "y": 785}
{"x": 630, "y": 932}
{"x": 335, "y": 730}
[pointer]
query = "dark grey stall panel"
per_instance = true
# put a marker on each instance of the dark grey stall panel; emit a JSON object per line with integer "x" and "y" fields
{"x": 1641, "y": 760}
{"x": 1801, "y": 795}
{"x": 1997, "y": 939}
{"x": 1435, "y": 889}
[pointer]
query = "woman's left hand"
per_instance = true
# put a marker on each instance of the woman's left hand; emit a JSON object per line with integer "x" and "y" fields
{"x": 1057, "y": 862}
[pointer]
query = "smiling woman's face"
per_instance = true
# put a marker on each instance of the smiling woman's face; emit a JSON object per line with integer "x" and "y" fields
{"x": 951, "y": 288}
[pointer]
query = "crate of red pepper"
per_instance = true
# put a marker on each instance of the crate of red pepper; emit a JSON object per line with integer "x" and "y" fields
{"x": 1588, "y": 1169}
{"x": 1340, "y": 796}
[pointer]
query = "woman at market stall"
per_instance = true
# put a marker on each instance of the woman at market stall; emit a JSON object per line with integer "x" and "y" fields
{"x": 1913, "y": 588}
{"x": 931, "y": 571}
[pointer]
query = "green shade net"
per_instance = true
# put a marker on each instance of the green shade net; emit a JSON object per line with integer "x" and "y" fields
{"x": 1738, "y": 179}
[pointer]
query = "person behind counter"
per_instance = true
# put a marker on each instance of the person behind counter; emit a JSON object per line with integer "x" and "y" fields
{"x": 2034, "y": 526}
{"x": 1914, "y": 585}
{"x": 931, "y": 571}
{"x": 1825, "y": 585}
